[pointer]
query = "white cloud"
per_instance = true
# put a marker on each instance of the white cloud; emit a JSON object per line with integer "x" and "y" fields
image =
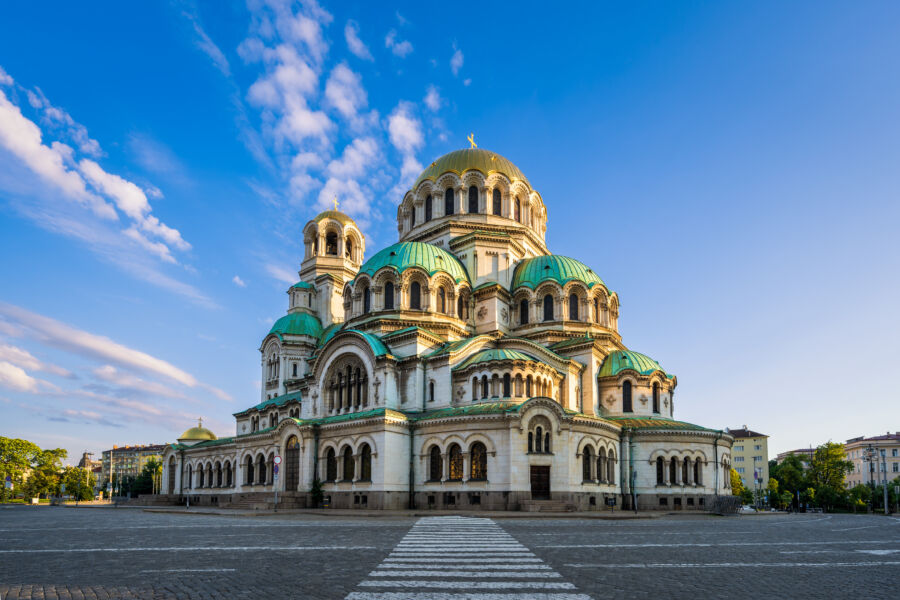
{"x": 467, "y": 82}
{"x": 358, "y": 156}
{"x": 356, "y": 45}
{"x": 238, "y": 281}
{"x": 281, "y": 274}
{"x": 401, "y": 49}
{"x": 456, "y": 61}
{"x": 26, "y": 360}
{"x": 58, "y": 118}
{"x": 207, "y": 46}
{"x": 22, "y": 138}
{"x": 110, "y": 374}
{"x": 405, "y": 129}
{"x": 433, "y": 99}
{"x": 17, "y": 379}
{"x": 59, "y": 334}
{"x": 355, "y": 199}
{"x": 344, "y": 91}
{"x": 5, "y": 79}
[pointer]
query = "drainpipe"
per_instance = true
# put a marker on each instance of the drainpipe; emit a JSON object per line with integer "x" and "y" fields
{"x": 412, "y": 467}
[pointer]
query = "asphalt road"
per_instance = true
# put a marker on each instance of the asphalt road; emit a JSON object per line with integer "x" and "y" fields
{"x": 56, "y": 552}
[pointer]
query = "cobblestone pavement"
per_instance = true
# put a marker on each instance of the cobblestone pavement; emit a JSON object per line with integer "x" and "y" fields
{"x": 56, "y": 552}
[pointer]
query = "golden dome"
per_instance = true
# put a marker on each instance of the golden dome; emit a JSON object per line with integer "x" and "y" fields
{"x": 334, "y": 214}
{"x": 469, "y": 159}
{"x": 197, "y": 434}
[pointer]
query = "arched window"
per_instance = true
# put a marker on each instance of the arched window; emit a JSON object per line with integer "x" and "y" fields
{"x": 442, "y": 301}
{"x": 229, "y": 474}
{"x": 292, "y": 464}
{"x": 190, "y": 476}
{"x": 518, "y": 212}
{"x": 506, "y": 386}
{"x": 596, "y": 310}
{"x": 530, "y": 442}
{"x": 348, "y": 464}
{"x": 412, "y": 217}
{"x": 573, "y": 307}
{"x": 415, "y": 296}
{"x": 248, "y": 470}
{"x": 626, "y": 397}
{"x": 474, "y": 389}
{"x": 459, "y": 308}
{"x": 523, "y": 312}
{"x": 518, "y": 385}
{"x": 485, "y": 392}
{"x": 660, "y": 475}
{"x": 331, "y": 244}
{"x": 473, "y": 199}
{"x": 330, "y": 465}
{"x": 365, "y": 463}
{"x": 685, "y": 470}
{"x": 456, "y": 463}
{"x": 655, "y": 397}
{"x": 435, "y": 464}
{"x": 547, "y": 442}
{"x": 611, "y": 468}
{"x": 698, "y": 472}
{"x": 478, "y": 456}
{"x": 219, "y": 474}
{"x": 448, "y": 201}
{"x": 539, "y": 440}
{"x": 428, "y": 208}
{"x": 587, "y": 460}
{"x": 528, "y": 387}
{"x": 367, "y": 301}
{"x": 673, "y": 470}
{"x": 348, "y": 248}
{"x": 496, "y": 202}
{"x": 171, "y": 481}
{"x": 261, "y": 469}
{"x": 201, "y": 476}
{"x": 601, "y": 465}
{"x": 389, "y": 295}
{"x": 431, "y": 391}
{"x": 548, "y": 307}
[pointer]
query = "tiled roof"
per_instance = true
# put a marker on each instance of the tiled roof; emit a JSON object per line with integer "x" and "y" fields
{"x": 493, "y": 356}
{"x": 743, "y": 432}
{"x": 622, "y": 360}
{"x": 298, "y": 323}
{"x": 273, "y": 402}
{"x": 656, "y": 423}
{"x": 428, "y": 257}
{"x": 531, "y": 272}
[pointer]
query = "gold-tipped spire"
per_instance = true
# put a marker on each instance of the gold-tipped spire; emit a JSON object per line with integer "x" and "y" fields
{"x": 200, "y": 422}
{"x": 335, "y": 203}
{"x": 471, "y": 139}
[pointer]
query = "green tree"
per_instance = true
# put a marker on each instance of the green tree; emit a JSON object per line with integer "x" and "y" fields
{"x": 772, "y": 490}
{"x": 79, "y": 483}
{"x": 16, "y": 457}
{"x": 791, "y": 473}
{"x": 860, "y": 495}
{"x": 828, "y": 469}
{"x": 143, "y": 483}
{"x": 737, "y": 486}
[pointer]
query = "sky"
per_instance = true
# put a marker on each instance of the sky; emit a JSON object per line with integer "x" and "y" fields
{"x": 730, "y": 169}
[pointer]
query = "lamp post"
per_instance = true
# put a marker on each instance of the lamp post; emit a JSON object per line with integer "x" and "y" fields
{"x": 887, "y": 510}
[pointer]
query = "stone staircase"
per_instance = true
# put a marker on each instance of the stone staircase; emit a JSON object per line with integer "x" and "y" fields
{"x": 546, "y": 506}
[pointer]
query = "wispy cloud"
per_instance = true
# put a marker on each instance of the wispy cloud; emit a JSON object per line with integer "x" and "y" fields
{"x": 433, "y": 99}
{"x": 205, "y": 43}
{"x": 399, "y": 48}
{"x": 238, "y": 281}
{"x": 456, "y": 61}
{"x": 24, "y": 359}
{"x": 356, "y": 45}
{"x": 17, "y": 379}
{"x": 281, "y": 274}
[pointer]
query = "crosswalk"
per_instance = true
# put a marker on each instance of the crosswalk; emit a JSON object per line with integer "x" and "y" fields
{"x": 462, "y": 558}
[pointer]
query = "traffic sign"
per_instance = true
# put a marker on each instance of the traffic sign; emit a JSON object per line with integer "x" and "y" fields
{"x": 62, "y": 488}
{"x": 276, "y": 468}
{"x": 277, "y": 460}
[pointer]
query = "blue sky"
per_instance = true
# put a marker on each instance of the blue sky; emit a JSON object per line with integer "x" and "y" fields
{"x": 730, "y": 170}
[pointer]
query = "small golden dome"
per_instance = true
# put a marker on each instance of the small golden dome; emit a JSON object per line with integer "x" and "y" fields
{"x": 197, "y": 434}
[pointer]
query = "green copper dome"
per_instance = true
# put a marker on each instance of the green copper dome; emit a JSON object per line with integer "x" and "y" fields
{"x": 298, "y": 323}
{"x": 622, "y": 360}
{"x": 404, "y": 255}
{"x": 493, "y": 356}
{"x": 532, "y": 272}
{"x": 470, "y": 159}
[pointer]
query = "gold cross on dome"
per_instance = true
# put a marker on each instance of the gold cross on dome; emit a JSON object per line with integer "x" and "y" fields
{"x": 471, "y": 139}
{"x": 335, "y": 203}
{"x": 200, "y": 422}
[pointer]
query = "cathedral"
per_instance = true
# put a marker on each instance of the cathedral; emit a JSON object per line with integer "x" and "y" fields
{"x": 463, "y": 367}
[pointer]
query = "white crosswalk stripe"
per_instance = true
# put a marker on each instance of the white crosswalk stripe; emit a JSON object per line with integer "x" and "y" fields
{"x": 462, "y": 558}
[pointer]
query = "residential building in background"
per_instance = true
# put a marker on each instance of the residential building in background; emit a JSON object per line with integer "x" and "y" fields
{"x": 864, "y": 471}
{"x": 127, "y": 461}
{"x": 805, "y": 453}
{"x": 87, "y": 462}
{"x": 750, "y": 456}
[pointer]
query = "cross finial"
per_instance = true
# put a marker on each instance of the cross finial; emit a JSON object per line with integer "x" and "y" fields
{"x": 335, "y": 203}
{"x": 200, "y": 422}
{"x": 471, "y": 139}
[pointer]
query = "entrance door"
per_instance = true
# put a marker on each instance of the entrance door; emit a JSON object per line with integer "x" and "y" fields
{"x": 540, "y": 483}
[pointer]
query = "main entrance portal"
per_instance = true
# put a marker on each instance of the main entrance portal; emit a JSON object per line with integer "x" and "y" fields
{"x": 540, "y": 483}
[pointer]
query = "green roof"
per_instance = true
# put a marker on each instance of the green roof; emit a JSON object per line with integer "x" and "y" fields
{"x": 378, "y": 347}
{"x": 303, "y": 284}
{"x": 531, "y": 272}
{"x": 477, "y": 159}
{"x": 297, "y": 323}
{"x": 494, "y": 355}
{"x": 274, "y": 402}
{"x": 404, "y": 255}
{"x": 328, "y": 333}
{"x": 656, "y": 423}
{"x": 623, "y": 360}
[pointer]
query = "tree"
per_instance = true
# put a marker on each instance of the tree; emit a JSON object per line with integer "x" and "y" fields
{"x": 144, "y": 483}
{"x": 772, "y": 490}
{"x": 860, "y": 495}
{"x": 16, "y": 457}
{"x": 827, "y": 471}
{"x": 79, "y": 483}
{"x": 791, "y": 473}
{"x": 737, "y": 486}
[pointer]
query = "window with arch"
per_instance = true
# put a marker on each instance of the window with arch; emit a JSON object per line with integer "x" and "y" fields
{"x": 539, "y": 439}
{"x": 442, "y": 301}
{"x": 685, "y": 470}
{"x": 171, "y": 479}
{"x": 523, "y": 312}
{"x": 348, "y": 248}
{"x": 518, "y": 386}
{"x": 474, "y": 389}
{"x": 597, "y": 310}
{"x": 349, "y": 465}
{"x": 435, "y": 464}
{"x": 611, "y": 468}
{"x": 485, "y": 389}
{"x": 460, "y": 305}
{"x": 655, "y": 397}
{"x": 448, "y": 201}
{"x": 415, "y": 296}
{"x": 428, "y": 208}
{"x": 261, "y": 470}
{"x": 496, "y": 204}
{"x": 673, "y": 470}
{"x": 473, "y": 199}
{"x": 548, "y": 307}
{"x": 478, "y": 457}
{"x": 660, "y": 471}
{"x": 248, "y": 471}
{"x": 389, "y": 295}
{"x": 698, "y": 472}
{"x": 587, "y": 461}
{"x": 626, "y": 396}
{"x": 528, "y": 387}
{"x": 506, "y": 386}
{"x": 365, "y": 463}
{"x": 331, "y": 243}
{"x": 229, "y": 474}
{"x": 531, "y": 441}
{"x": 292, "y": 464}
{"x": 219, "y": 474}
{"x": 601, "y": 465}
{"x": 200, "y": 478}
{"x": 518, "y": 209}
{"x": 454, "y": 455}
{"x": 412, "y": 216}
{"x": 190, "y": 476}
{"x": 431, "y": 391}
{"x": 330, "y": 465}
{"x": 573, "y": 307}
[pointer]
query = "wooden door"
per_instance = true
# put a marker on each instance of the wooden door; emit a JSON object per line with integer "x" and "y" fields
{"x": 540, "y": 483}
